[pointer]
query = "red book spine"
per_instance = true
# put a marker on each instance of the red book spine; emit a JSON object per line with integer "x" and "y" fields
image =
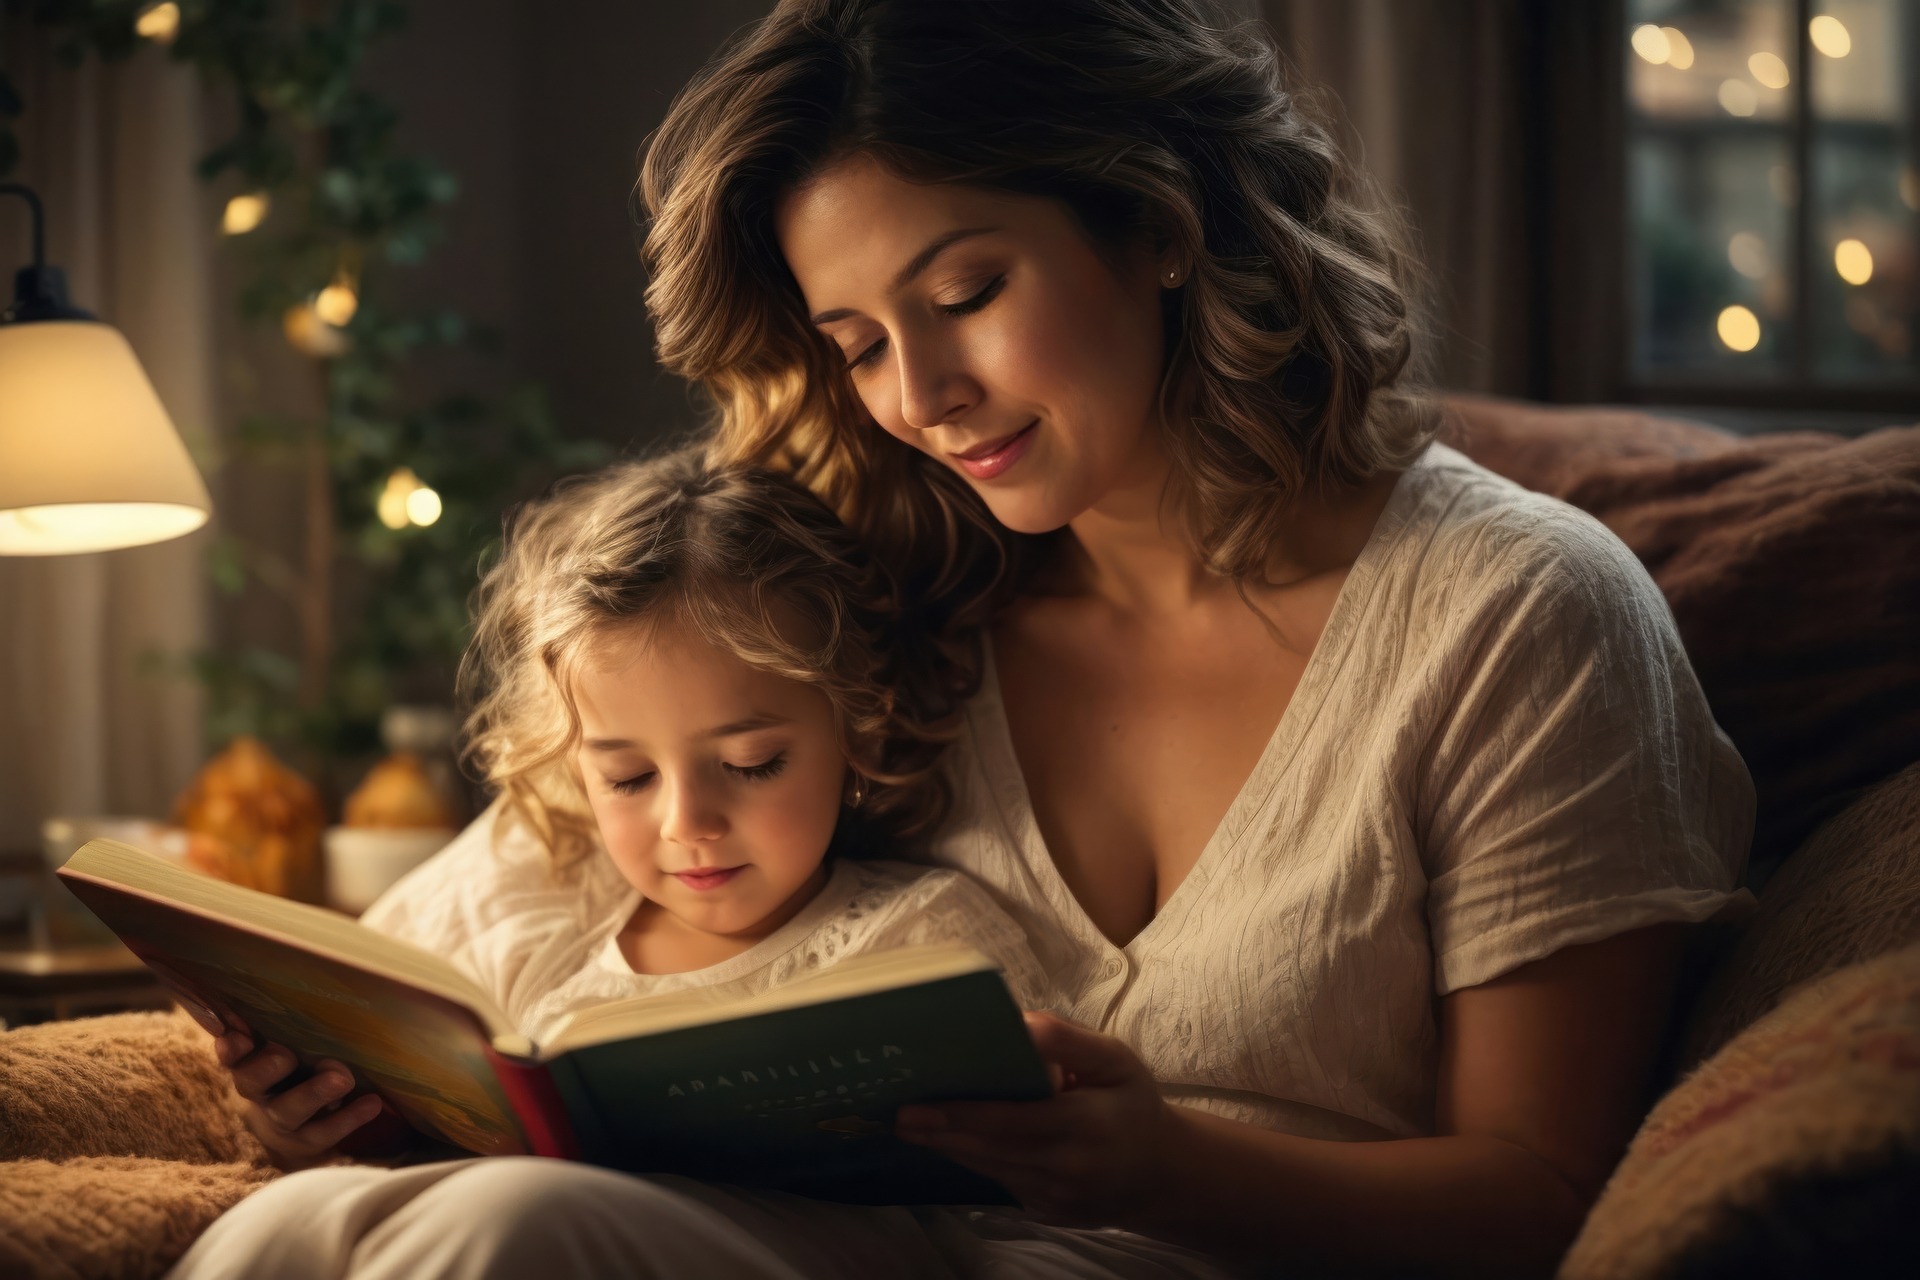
{"x": 529, "y": 1088}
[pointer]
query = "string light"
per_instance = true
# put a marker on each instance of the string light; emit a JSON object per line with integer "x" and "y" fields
{"x": 404, "y": 501}
{"x": 1768, "y": 69}
{"x": 1679, "y": 48}
{"x": 312, "y": 335}
{"x": 1651, "y": 43}
{"x": 159, "y": 23}
{"x": 1738, "y": 97}
{"x": 1738, "y": 328}
{"x": 1748, "y": 254}
{"x": 336, "y": 303}
{"x": 1830, "y": 36}
{"x": 245, "y": 212}
{"x": 1854, "y": 261}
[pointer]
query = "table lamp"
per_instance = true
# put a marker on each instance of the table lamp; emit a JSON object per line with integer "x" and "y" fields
{"x": 89, "y": 460}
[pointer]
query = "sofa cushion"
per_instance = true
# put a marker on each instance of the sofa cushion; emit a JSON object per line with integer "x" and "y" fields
{"x": 1780, "y": 1154}
{"x": 1789, "y": 562}
{"x": 1850, "y": 893}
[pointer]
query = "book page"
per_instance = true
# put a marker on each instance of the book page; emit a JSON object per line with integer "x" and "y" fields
{"x": 328, "y": 932}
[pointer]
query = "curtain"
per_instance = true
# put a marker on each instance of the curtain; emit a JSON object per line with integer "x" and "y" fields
{"x": 1429, "y": 97}
{"x": 88, "y": 723}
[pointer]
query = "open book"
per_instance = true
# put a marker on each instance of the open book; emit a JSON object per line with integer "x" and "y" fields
{"x": 793, "y": 1089}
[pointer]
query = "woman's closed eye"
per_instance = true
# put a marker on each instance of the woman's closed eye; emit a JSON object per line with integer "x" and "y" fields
{"x": 965, "y": 307}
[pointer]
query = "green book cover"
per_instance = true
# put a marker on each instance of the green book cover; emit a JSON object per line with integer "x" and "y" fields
{"x": 803, "y": 1099}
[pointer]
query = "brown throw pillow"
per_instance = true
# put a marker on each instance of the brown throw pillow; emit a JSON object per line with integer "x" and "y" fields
{"x": 1793, "y": 1151}
{"x": 1792, "y": 565}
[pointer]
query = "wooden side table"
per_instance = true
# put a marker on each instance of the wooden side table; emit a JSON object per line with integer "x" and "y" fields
{"x": 44, "y": 978}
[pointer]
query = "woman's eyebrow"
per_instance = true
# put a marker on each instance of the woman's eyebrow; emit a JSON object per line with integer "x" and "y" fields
{"x": 920, "y": 262}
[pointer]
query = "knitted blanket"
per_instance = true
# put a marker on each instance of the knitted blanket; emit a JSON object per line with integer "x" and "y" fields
{"x": 121, "y": 1139}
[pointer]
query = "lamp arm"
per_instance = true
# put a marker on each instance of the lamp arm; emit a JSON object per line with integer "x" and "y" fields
{"x": 39, "y": 291}
{"x": 39, "y": 219}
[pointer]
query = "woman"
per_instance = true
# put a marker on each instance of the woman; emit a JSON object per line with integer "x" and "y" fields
{"x": 1354, "y": 796}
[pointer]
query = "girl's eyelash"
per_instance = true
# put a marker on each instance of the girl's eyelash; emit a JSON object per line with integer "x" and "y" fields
{"x": 627, "y": 786}
{"x": 760, "y": 772}
{"x": 968, "y": 307}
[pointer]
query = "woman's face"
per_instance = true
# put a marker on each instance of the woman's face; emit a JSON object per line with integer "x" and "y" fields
{"x": 988, "y": 331}
{"x": 716, "y": 785}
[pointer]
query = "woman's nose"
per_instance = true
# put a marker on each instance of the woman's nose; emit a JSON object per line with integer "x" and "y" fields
{"x": 934, "y": 390}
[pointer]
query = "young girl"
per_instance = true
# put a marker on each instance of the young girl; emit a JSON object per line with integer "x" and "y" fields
{"x": 689, "y": 695}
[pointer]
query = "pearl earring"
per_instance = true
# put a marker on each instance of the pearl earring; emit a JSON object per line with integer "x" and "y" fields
{"x": 1173, "y": 277}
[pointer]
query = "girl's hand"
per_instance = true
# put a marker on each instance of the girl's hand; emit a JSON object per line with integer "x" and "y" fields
{"x": 1094, "y": 1154}
{"x": 301, "y": 1126}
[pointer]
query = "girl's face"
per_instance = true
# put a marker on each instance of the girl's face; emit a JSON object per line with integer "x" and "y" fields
{"x": 716, "y": 786}
{"x": 989, "y": 332}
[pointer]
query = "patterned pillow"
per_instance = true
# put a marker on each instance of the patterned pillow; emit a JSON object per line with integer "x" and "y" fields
{"x": 1793, "y": 1151}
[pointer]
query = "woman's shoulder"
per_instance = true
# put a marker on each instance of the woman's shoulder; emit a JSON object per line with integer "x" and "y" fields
{"x": 1476, "y": 539}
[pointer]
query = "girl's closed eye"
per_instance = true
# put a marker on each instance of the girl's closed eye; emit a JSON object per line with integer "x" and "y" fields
{"x": 628, "y": 786}
{"x": 770, "y": 767}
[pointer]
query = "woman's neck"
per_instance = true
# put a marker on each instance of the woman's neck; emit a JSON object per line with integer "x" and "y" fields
{"x": 1133, "y": 548}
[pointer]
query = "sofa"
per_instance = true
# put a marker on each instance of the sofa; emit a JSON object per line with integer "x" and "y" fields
{"x": 1785, "y": 1139}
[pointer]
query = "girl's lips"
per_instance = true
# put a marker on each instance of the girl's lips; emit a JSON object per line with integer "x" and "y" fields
{"x": 707, "y": 877}
{"x": 984, "y": 462}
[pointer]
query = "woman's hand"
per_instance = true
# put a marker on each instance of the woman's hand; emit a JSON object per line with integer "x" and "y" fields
{"x": 300, "y": 1126}
{"x": 1094, "y": 1154}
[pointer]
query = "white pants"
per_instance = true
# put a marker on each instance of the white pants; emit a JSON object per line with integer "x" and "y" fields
{"x": 522, "y": 1216}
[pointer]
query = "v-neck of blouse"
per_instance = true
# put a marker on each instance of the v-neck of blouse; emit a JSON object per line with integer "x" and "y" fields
{"x": 994, "y": 742}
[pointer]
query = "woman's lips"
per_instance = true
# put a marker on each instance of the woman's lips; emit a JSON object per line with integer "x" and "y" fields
{"x": 985, "y": 461}
{"x": 707, "y": 877}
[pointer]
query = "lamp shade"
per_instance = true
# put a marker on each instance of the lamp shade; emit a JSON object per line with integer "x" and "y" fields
{"x": 89, "y": 460}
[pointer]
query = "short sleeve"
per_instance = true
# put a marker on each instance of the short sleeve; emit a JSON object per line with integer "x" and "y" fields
{"x": 1576, "y": 786}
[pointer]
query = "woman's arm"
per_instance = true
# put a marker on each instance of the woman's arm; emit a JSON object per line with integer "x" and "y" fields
{"x": 1543, "y": 1079}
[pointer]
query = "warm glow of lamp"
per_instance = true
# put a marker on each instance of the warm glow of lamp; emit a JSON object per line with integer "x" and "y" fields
{"x": 310, "y": 335}
{"x": 1854, "y": 261}
{"x": 423, "y": 506}
{"x": 1738, "y": 328}
{"x": 245, "y": 212}
{"x": 1830, "y": 36}
{"x": 89, "y": 460}
{"x": 159, "y": 23}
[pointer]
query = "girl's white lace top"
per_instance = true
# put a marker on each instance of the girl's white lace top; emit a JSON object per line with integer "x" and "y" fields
{"x": 544, "y": 949}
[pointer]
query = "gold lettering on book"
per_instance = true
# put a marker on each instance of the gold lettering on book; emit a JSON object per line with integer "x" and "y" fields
{"x": 775, "y": 1072}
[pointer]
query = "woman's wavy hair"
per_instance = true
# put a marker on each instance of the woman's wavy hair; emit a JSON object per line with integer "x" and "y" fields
{"x": 759, "y": 567}
{"x": 1289, "y": 344}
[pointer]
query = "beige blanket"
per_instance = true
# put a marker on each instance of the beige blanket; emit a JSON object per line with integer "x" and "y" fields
{"x": 120, "y": 1141}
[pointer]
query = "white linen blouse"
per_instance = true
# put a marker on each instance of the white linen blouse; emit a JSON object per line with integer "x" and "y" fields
{"x": 1497, "y": 749}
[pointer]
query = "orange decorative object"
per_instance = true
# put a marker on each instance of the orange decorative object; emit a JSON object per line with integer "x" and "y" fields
{"x": 398, "y": 793}
{"x": 253, "y": 821}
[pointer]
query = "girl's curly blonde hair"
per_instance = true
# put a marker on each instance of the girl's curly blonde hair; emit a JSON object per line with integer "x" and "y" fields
{"x": 759, "y": 567}
{"x": 1289, "y": 344}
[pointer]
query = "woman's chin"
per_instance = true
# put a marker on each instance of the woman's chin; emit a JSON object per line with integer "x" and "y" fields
{"x": 1030, "y": 512}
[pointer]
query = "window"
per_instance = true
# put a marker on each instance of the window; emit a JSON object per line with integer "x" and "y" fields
{"x": 1773, "y": 201}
